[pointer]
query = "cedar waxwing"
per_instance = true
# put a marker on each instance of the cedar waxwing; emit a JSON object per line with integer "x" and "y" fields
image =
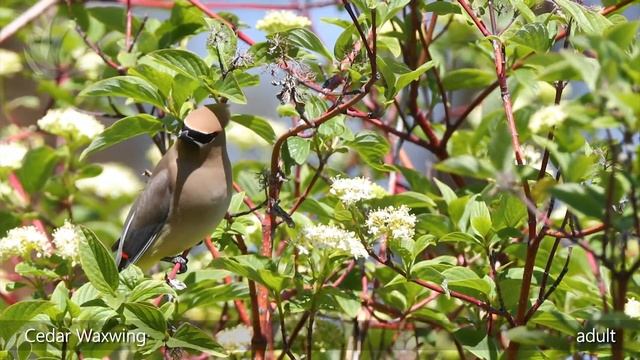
{"x": 186, "y": 196}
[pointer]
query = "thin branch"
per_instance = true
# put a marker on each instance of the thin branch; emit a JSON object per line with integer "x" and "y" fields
{"x": 25, "y": 18}
{"x": 107, "y": 60}
{"x": 242, "y": 36}
{"x": 137, "y": 35}
{"x": 553, "y": 287}
{"x": 313, "y": 181}
{"x": 127, "y": 38}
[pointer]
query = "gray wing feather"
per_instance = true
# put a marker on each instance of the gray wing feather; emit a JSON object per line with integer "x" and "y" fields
{"x": 146, "y": 219}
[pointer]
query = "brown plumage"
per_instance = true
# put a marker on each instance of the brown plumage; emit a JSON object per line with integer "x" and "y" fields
{"x": 186, "y": 196}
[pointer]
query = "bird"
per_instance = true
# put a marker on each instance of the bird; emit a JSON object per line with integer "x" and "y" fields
{"x": 186, "y": 196}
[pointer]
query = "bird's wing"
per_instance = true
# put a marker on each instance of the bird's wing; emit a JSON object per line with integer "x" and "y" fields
{"x": 146, "y": 219}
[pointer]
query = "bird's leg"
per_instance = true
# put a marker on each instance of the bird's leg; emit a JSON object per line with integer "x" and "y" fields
{"x": 178, "y": 259}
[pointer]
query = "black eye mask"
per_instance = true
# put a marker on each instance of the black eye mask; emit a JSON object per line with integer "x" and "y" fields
{"x": 196, "y": 137}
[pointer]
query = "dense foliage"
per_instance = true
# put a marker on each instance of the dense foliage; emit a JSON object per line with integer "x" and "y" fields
{"x": 523, "y": 233}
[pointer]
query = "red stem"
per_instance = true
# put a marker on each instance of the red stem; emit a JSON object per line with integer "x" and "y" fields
{"x": 242, "y": 36}
{"x": 128, "y": 31}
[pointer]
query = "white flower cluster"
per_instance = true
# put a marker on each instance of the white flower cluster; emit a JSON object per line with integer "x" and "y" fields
{"x": 114, "y": 181}
{"x": 353, "y": 190}
{"x": 22, "y": 241}
{"x": 67, "y": 239}
{"x": 71, "y": 124}
{"x": 12, "y": 155}
{"x": 394, "y": 222}
{"x": 235, "y": 338}
{"x": 532, "y": 156}
{"x": 10, "y": 63}
{"x": 279, "y": 21}
{"x": 90, "y": 63}
{"x": 632, "y": 308}
{"x": 547, "y": 117}
{"x": 320, "y": 237}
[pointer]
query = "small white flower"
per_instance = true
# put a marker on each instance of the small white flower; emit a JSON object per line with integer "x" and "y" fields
{"x": 394, "y": 222}
{"x": 353, "y": 190}
{"x": 90, "y": 63}
{"x": 9, "y": 62}
{"x": 235, "y": 338}
{"x": 632, "y": 308}
{"x": 22, "y": 241}
{"x": 280, "y": 21}
{"x": 71, "y": 124}
{"x": 114, "y": 181}
{"x": 326, "y": 237}
{"x": 67, "y": 239}
{"x": 532, "y": 156}
{"x": 11, "y": 155}
{"x": 546, "y": 118}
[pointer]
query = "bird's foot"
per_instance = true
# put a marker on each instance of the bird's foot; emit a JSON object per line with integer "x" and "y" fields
{"x": 175, "y": 283}
{"x": 178, "y": 259}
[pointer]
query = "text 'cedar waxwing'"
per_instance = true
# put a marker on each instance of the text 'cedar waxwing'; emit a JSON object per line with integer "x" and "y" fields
{"x": 187, "y": 194}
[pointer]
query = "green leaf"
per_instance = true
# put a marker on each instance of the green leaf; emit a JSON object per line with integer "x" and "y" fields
{"x": 442, "y": 8}
{"x": 480, "y": 217}
{"x": 209, "y": 293}
{"x": 524, "y": 10}
{"x": 183, "y": 62}
{"x": 333, "y": 127}
{"x": 222, "y": 43}
{"x": 587, "y": 68}
{"x": 112, "y": 17}
{"x": 344, "y": 43}
{"x": 36, "y": 168}
{"x": 623, "y": 34}
{"x": 372, "y": 148}
{"x": 346, "y": 302}
{"x": 147, "y": 318}
{"x": 523, "y": 335}
{"x": 462, "y": 278}
{"x": 405, "y": 79}
{"x": 467, "y": 165}
{"x": 229, "y": 88}
{"x": 123, "y": 129}
{"x": 308, "y": 40}
{"x": 394, "y": 6}
{"x": 131, "y": 276}
{"x": 411, "y": 199}
{"x": 447, "y": 193}
{"x": 97, "y": 263}
{"x": 150, "y": 289}
{"x": 190, "y": 337}
{"x": 155, "y": 75}
{"x": 18, "y": 314}
{"x": 299, "y": 149}
{"x": 132, "y": 87}
{"x": 586, "y": 199}
{"x": 589, "y": 21}
{"x": 467, "y": 79}
{"x": 257, "y": 124}
{"x": 533, "y": 36}
{"x": 460, "y": 237}
{"x": 254, "y": 267}
{"x": 27, "y": 269}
